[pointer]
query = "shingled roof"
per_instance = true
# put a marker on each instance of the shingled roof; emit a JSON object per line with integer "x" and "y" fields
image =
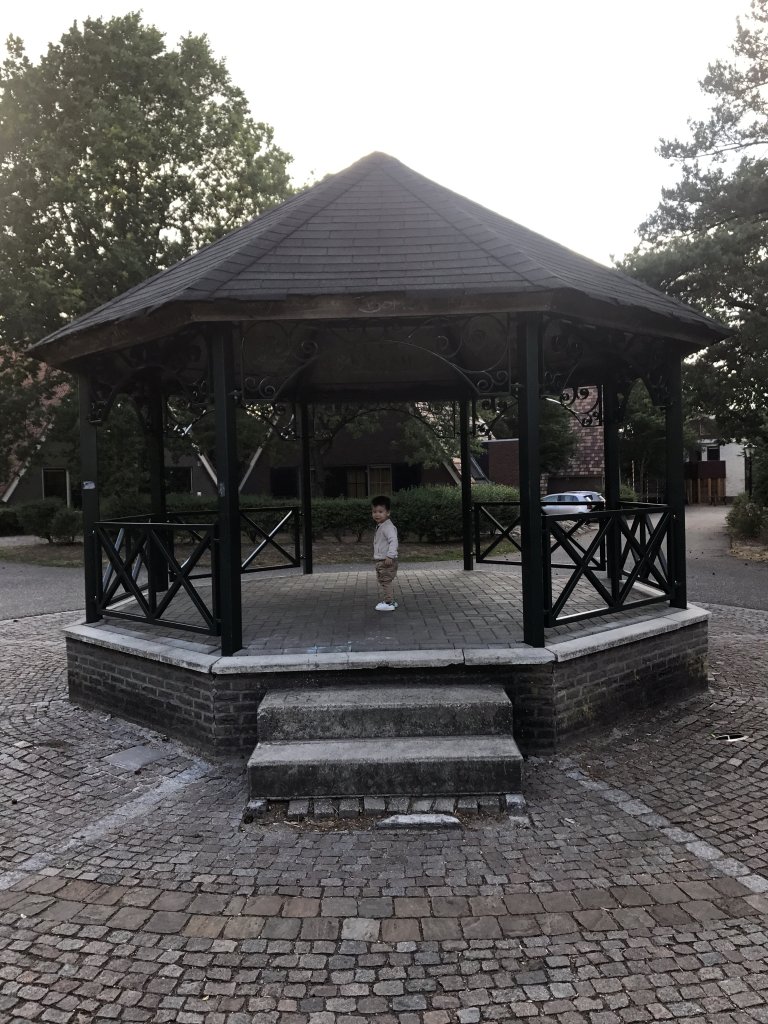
{"x": 379, "y": 227}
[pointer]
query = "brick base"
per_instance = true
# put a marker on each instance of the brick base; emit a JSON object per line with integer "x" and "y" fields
{"x": 554, "y": 700}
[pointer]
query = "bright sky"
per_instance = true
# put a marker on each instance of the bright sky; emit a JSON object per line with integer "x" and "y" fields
{"x": 547, "y": 111}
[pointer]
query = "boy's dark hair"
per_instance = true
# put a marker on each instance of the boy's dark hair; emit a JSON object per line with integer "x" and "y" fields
{"x": 381, "y": 499}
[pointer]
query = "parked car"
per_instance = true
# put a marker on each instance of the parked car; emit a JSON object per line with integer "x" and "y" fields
{"x": 571, "y": 502}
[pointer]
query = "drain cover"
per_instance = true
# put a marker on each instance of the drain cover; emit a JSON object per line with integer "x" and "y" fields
{"x": 137, "y": 757}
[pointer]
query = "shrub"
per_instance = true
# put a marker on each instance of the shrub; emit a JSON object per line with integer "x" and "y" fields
{"x": 339, "y": 516}
{"x": 36, "y": 517}
{"x": 9, "y": 522}
{"x": 127, "y": 503}
{"x": 627, "y": 494}
{"x": 428, "y": 513}
{"x": 66, "y": 524}
{"x": 746, "y": 519}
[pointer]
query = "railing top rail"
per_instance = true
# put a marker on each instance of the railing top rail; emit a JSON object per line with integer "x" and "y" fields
{"x": 489, "y": 504}
{"x": 151, "y": 524}
{"x": 146, "y": 517}
{"x": 646, "y": 504}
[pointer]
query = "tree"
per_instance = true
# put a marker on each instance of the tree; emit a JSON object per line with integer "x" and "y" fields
{"x": 118, "y": 157}
{"x": 706, "y": 242}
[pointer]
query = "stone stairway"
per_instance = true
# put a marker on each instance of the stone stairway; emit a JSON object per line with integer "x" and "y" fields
{"x": 381, "y": 740}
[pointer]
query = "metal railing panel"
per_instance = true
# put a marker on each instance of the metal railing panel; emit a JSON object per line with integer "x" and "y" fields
{"x": 636, "y": 576}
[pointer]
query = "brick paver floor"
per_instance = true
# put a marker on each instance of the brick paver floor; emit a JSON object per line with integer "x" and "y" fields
{"x": 639, "y": 892}
{"x": 440, "y": 607}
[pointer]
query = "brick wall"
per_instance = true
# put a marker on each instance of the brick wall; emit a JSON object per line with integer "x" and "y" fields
{"x": 504, "y": 462}
{"x": 552, "y": 701}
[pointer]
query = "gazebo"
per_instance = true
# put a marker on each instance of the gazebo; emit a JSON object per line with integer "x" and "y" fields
{"x": 378, "y": 283}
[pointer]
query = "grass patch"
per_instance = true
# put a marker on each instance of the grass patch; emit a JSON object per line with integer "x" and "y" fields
{"x": 57, "y": 555}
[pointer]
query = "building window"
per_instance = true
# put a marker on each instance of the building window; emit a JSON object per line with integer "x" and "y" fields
{"x": 713, "y": 452}
{"x": 56, "y": 484}
{"x": 356, "y": 483}
{"x": 380, "y": 480}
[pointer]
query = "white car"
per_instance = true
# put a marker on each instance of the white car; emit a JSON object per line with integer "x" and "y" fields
{"x": 570, "y": 502}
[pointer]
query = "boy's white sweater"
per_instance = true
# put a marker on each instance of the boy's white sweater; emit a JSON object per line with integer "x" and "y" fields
{"x": 385, "y": 541}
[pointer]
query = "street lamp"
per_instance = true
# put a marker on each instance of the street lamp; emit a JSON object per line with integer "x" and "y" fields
{"x": 749, "y": 451}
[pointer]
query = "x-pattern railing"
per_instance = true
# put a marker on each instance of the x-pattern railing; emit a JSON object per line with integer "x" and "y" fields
{"x": 632, "y": 539}
{"x": 288, "y": 520}
{"x": 144, "y": 571}
{"x": 134, "y": 550}
{"x": 488, "y": 522}
{"x": 500, "y": 520}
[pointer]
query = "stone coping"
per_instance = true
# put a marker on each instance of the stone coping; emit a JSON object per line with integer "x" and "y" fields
{"x": 565, "y": 650}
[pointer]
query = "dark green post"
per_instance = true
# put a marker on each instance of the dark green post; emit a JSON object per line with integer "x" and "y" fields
{"x": 612, "y": 468}
{"x": 528, "y": 343}
{"x": 89, "y": 473}
{"x": 223, "y": 365}
{"x": 466, "y": 483}
{"x": 676, "y": 481}
{"x": 305, "y": 486}
{"x": 155, "y": 436}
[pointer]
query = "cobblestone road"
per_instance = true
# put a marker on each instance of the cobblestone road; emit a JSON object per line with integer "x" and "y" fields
{"x": 639, "y": 893}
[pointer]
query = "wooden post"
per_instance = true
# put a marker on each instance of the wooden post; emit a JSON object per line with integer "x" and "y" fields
{"x": 675, "y": 482}
{"x": 466, "y": 483}
{"x": 528, "y": 340}
{"x": 305, "y": 486}
{"x": 230, "y": 602}
{"x": 89, "y": 473}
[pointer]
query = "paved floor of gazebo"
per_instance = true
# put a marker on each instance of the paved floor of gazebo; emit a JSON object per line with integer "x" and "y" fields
{"x": 441, "y": 607}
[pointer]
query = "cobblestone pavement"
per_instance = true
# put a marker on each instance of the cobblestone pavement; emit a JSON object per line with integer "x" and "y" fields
{"x": 638, "y": 893}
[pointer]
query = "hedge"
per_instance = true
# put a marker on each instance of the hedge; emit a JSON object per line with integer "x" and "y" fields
{"x": 431, "y": 514}
{"x": 9, "y": 522}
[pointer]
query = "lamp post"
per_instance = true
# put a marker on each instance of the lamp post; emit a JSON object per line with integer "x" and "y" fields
{"x": 749, "y": 451}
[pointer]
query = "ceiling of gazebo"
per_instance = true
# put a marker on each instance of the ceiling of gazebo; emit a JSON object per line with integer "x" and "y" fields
{"x": 373, "y": 242}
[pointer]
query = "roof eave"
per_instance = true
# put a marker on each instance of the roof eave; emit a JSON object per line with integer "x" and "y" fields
{"x": 65, "y": 350}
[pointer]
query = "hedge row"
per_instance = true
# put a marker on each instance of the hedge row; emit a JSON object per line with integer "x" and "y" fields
{"x": 9, "y": 522}
{"x": 51, "y": 519}
{"x": 431, "y": 514}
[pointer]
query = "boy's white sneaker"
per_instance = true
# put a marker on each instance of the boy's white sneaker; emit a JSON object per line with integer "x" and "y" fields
{"x": 385, "y": 606}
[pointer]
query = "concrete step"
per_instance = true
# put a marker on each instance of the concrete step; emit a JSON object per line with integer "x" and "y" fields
{"x": 353, "y": 712}
{"x": 432, "y": 766}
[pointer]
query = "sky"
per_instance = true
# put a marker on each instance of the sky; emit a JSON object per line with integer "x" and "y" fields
{"x": 546, "y": 111}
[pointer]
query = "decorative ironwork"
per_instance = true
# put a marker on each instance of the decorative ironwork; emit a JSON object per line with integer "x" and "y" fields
{"x": 274, "y": 354}
{"x": 561, "y": 339}
{"x": 488, "y": 412}
{"x": 574, "y": 400}
{"x": 295, "y": 346}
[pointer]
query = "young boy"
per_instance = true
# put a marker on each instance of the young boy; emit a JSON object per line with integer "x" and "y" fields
{"x": 384, "y": 552}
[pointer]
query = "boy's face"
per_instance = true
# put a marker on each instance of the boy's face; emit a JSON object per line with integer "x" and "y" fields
{"x": 379, "y": 513}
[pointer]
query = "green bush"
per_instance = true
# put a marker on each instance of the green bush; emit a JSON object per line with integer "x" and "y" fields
{"x": 120, "y": 506}
{"x": 36, "y": 517}
{"x": 340, "y": 516}
{"x": 746, "y": 519}
{"x": 431, "y": 514}
{"x": 66, "y": 524}
{"x": 9, "y": 522}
